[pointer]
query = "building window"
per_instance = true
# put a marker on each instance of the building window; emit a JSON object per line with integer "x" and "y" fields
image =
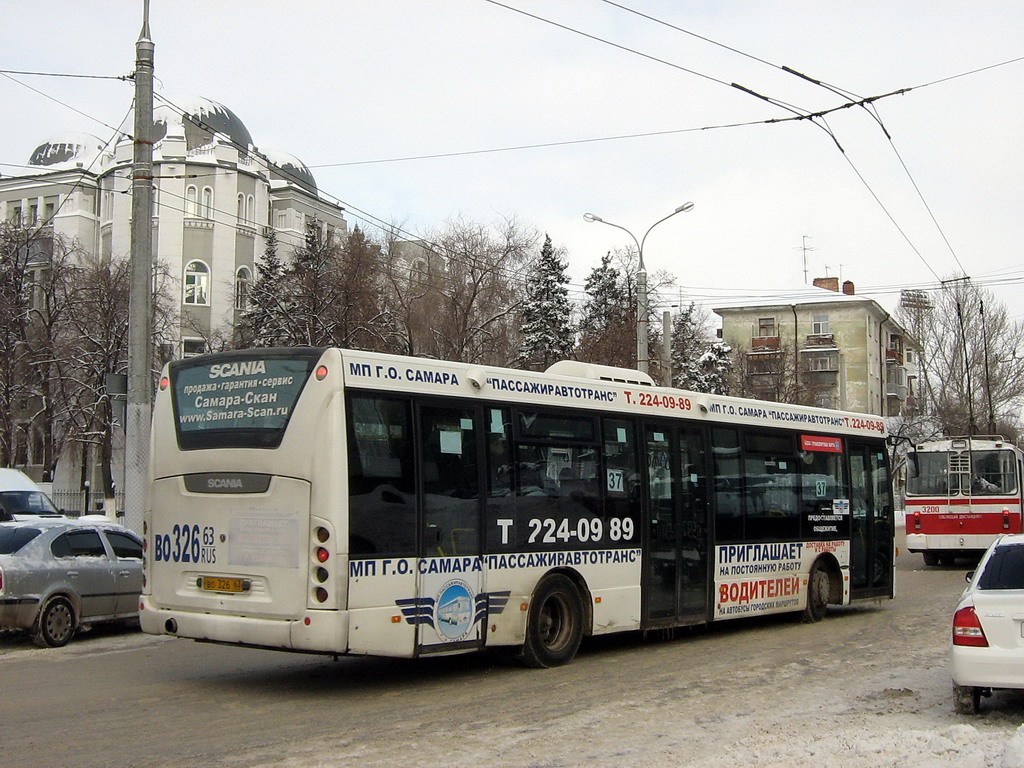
{"x": 197, "y": 283}
{"x": 766, "y": 326}
{"x": 250, "y": 209}
{"x": 824, "y": 363}
{"x": 819, "y": 324}
{"x": 240, "y": 212}
{"x": 206, "y": 212}
{"x": 909, "y": 356}
{"x": 192, "y": 202}
{"x": 243, "y": 279}
{"x": 281, "y": 220}
{"x": 192, "y": 347}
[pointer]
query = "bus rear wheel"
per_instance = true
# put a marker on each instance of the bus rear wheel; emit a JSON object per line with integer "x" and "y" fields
{"x": 555, "y": 625}
{"x": 930, "y": 558}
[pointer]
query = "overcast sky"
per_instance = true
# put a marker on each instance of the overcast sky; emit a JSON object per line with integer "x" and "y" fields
{"x": 353, "y": 87}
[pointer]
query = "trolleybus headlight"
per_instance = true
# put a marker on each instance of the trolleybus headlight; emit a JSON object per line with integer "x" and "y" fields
{"x": 164, "y": 383}
{"x": 321, "y": 372}
{"x": 322, "y": 554}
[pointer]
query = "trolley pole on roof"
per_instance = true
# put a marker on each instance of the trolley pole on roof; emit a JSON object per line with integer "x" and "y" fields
{"x": 140, "y": 373}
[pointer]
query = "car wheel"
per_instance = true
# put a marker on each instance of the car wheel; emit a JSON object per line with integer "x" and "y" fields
{"x": 56, "y": 624}
{"x": 966, "y": 699}
{"x": 555, "y": 627}
{"x": 930, "y": 558}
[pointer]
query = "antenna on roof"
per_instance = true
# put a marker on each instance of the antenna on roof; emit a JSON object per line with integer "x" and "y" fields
{"x": 805, "y": 248}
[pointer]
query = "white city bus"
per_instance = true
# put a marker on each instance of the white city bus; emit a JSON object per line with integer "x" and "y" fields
{"x": 962, "y": 492}
{"x": 344, "y": 502}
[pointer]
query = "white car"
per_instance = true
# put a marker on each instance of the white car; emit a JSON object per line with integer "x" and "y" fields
{"x": 987, "y": 643}
{"x": 21, "y": 499}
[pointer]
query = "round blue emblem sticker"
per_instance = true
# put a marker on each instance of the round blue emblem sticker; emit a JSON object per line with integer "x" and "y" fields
{"x": 454, "y": 618}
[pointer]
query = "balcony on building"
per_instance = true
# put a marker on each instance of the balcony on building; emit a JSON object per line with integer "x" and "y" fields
{"x": 765, "y": 343}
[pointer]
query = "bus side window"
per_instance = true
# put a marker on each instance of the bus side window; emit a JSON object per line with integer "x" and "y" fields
{"x": 621, "y": 480}
{"x": 771, "y": 475}
{"x": 728, "y": 485}
{"x": 382, "y": 495}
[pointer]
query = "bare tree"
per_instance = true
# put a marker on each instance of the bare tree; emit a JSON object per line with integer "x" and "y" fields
{"x": 973, "y": 379}
{"x": 456, "y": 294}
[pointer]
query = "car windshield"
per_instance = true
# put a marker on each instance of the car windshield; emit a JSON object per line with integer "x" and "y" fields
{"x": 13, "y": 539}
{"x": 26, "y": 503}
{"x": 1004, "y": 569}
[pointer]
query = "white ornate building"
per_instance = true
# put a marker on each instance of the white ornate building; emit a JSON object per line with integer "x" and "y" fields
{"x": 216, "y": 198}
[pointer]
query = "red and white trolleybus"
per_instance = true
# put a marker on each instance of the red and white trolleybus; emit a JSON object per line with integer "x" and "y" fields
{"x": 962, "y": 492}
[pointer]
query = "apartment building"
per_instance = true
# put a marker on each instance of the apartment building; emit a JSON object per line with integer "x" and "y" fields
{"x": 829, "y": 347}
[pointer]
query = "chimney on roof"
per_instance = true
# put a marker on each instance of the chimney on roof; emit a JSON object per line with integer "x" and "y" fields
{"x": 828, "y": 283}
{"x": 848, "y": 287}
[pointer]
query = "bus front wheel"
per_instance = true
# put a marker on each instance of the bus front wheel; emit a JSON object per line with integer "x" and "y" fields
{"x": 819, "y": 587}
{"x": 555, "y": 625}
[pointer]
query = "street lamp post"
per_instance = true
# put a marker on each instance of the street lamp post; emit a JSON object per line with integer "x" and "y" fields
{"x": 641, "y": 281}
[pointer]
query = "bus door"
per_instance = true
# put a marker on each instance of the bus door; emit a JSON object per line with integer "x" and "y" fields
{"x": 871, "y": 511}
{"x": 676, "y": 567}
{"x": 449, "y": 567}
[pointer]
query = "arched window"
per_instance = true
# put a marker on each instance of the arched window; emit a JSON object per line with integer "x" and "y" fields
{"x": 191, "y": 202}
{"x": 197, "y": 283}
{"x": 243, "y": 279}
{"x": 250, "y": 209}
{"x": 240, "y": 215}
{"x": 207, "y": 210}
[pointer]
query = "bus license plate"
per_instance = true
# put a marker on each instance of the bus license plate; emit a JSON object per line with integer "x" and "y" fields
{"x": 222, "y": 584}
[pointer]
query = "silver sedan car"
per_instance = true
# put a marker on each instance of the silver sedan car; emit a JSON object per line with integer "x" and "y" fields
{"x": 987, "y": 642}
{"x": 57, "y": 575}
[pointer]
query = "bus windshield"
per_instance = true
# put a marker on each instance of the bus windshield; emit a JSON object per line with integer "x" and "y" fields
{"x": 238, "y": 400}
{"x": 986, "y": 473}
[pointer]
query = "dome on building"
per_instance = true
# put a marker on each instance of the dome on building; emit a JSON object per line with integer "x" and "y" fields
{"x": 287, "y": 167}
{"x": 66, "y": 152}
{"x": 199, "y": 119}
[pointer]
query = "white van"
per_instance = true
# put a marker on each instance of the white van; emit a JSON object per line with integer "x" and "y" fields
{"x": 21, "y": 499}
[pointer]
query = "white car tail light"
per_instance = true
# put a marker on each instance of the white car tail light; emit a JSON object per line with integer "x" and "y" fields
{"x": 967, "y": 629}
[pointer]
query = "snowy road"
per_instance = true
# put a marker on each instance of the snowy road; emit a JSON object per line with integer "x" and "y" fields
{"x": 867, "y": 687}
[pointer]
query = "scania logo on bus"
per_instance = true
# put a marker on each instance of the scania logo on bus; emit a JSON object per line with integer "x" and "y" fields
{"x": 227, "y": 482}
{"x": 454, "y": 610}
{"x": 247, "y": 368}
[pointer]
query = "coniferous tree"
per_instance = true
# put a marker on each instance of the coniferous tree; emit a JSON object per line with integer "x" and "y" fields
{"x": 547, "y": 331}
{"x": 608, "y": 322}
{"x": 259, "y": 325}
{"x": 689, "y": 341}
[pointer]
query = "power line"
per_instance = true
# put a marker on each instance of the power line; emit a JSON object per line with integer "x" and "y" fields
{"x": 66, "y": 74}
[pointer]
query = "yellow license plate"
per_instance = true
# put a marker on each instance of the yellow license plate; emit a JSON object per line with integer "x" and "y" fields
{"x": 223, "y": 584}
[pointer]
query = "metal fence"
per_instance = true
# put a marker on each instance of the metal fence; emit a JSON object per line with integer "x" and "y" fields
{"x": 83, "y": 502}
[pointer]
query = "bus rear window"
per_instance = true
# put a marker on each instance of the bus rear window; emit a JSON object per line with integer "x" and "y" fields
{"x": 238, "y": 399}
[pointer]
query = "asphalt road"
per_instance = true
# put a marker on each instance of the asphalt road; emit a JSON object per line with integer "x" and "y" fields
{"x": 119, "y": 698}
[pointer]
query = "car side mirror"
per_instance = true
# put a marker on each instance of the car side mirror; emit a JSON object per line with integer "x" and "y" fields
{"x": 969, "y": 577}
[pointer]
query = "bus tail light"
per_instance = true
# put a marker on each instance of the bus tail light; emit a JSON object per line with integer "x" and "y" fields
{"x": 321, "y": 585}
{"x": 1006, "y": 519}
{"x": 967, "y": 629}
{"x": 917, "y": 521}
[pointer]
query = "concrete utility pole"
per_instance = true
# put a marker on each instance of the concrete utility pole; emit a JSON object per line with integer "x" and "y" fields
{"x": 140, "y": 321}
